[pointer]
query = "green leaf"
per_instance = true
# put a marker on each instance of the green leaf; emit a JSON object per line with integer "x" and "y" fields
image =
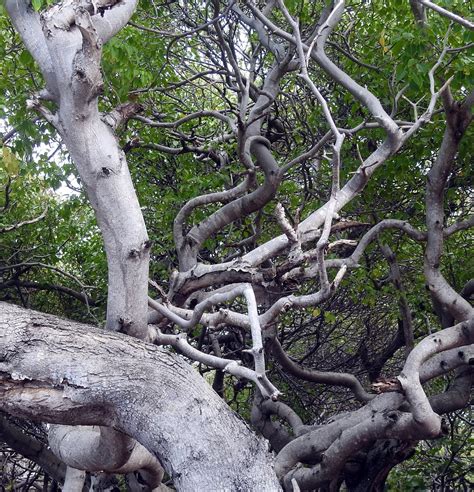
{"x": 316, "y": 312}
{"x": 36, "y": 4}
{"x": 329, "y": 317}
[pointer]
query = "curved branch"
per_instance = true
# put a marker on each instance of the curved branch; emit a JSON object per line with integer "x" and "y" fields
{"x": 220, "y": 196}
{"x": 458, "y": 119}
{"x": 320, "y": 377}
{"x": 82, "y": 381}
{"x": 423, "y": 414}
{"x": 80, "y": 296}
{"x": 113, "y": 17}
{"x": 27, "y": 22}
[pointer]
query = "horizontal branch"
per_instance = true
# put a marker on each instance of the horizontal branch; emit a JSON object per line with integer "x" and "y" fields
{"x": 25, "y": 222}
{"x": 94, "y": 377}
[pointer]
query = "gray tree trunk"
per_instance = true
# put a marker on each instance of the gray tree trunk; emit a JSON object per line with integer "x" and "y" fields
{"x": 64, "y": 372}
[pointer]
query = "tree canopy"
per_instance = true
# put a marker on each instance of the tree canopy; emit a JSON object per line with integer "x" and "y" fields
{"x": 278, "y": 195}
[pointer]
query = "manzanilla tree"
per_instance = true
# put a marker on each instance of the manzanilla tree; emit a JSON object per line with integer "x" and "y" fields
{"x": 302, "y": 169}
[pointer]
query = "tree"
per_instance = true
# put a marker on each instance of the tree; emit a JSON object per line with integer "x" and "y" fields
{"x": 260, "y": 114}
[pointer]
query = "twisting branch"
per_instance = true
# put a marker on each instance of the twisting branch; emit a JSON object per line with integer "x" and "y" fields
{"x": 320, "y": 377}
{"x": 258, "y": 376}
{"x": 220, "y": 196}
{"x": 423, "y": 414}
{"x": 459, "y": 116}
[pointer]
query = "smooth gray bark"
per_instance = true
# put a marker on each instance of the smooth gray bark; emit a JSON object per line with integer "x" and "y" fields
{"x": 66, "y": 42}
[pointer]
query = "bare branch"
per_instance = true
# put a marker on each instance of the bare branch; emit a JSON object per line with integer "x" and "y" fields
{"x": 446, "y": 13}
{"x": 25, "y": 222}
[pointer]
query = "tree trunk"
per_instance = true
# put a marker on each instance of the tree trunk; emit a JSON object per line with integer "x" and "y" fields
{"x": 64, "y": 372}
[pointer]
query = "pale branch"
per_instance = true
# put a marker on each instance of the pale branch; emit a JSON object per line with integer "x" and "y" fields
{"x": 339, "y": 137}
{"x": 199, "y": 309}
{"x": 112, "y": 16}
{"x": 458, "y": 394}
{"x": 385, "y": 424}
{"x": 382, "y": 418}
{"x": 283, "y": 411}
{"x": 219, "y": 196}
{"x": 74, "y": 480}
{"x": 446, "y": 361}
{"x": 233, "y": 367}
{"x": 362, "y": 94}
{"x": 82, "y": 382}
{"x": 264, "y": 38}
{"x": 462, "y": 225}
{"x": 27, "y": 22}
{"x": 355, "y": 184}
{"x": 274, "y": 431}
{"x": 311, "y": 444}
{"x": 303, "y": 61}
{"x": 239, "y": 207}
{"x": 284, "y": 223}
{"x": 448, "y": 14}
{"x": 25, "y": 222}
{"x": 103, "y": 449}
{"x": 456, "y": 336}
{"x": 207, "y": 319}
{"x": 458, "y": 119}
{"x": 307, "y": 227}
{"x": 353, "y": 260}
{"x": 246, "y": 290}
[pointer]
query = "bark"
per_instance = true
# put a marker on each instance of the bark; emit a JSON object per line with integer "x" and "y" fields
{"x": 66, "y": 42}
{"x": 74, "y": 480}
{"x": 64, "y": 372}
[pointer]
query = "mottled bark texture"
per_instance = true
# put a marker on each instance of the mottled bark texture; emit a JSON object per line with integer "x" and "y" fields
{"x": 64, "y": 372}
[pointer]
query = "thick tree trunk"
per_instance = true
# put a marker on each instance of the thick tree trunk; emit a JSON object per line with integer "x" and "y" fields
{"x": 64, "y": 372}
